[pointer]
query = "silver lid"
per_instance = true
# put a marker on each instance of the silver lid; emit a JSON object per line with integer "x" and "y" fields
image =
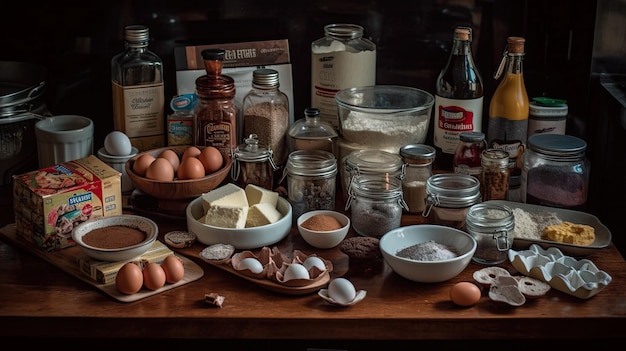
{"x": 453, "y": 190}
{"x": 137, "y": 34}
{"x": 560, "y": 146}
{"x": 265, "y": 77}
{"x": 312, "y": 163}
{"x": 419, "y": 152}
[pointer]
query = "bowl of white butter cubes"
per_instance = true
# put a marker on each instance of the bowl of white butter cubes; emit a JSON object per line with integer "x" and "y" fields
{"x": 247, "y": 218}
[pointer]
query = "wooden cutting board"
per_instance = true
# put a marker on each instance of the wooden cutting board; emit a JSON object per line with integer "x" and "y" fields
{"x": 66, "y": 260}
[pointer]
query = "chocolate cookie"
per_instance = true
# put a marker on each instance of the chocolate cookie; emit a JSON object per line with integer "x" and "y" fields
{"x": 361, "y": 247}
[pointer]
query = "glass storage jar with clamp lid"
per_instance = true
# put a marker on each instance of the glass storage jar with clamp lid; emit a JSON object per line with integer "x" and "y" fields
{"x": 253, "y": 164}
{"x": 492, "y": 226}
{"x": 370, "y": 162}
{"x": 418, "y": 160}
{"x": 449, "y": 197}
{"x": 376, "y": 204}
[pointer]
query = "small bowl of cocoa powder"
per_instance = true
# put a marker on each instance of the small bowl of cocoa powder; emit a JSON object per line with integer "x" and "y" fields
{"x": 115, "y": 238}
{"x": 323, "y": 229}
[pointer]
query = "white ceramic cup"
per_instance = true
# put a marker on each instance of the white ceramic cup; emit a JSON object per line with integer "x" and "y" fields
{"x": 119, "y": 164}
{"x": 63, "y": 138}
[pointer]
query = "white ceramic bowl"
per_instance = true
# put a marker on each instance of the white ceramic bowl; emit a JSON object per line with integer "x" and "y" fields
{"x": 427, "y": 271}
{"x": 122, "y": 254}
{"x": 324, "y": 239}
{"x": 241, "y": 238}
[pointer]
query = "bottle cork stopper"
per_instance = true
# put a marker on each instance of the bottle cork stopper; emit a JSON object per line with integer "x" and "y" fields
{"x": 516, "y": 44}
{"x": 463, "y": 33}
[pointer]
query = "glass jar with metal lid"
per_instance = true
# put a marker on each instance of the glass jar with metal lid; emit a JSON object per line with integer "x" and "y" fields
{"x": 492, "y": 226}
{"x": 468, "y": 152}
{"x": 418, "y": 160}
{"x": 253, "y": 164}
{"x": 449, "y": 196}
{"x": 370, "y": 162}
{"x": 376, "y": 204}
{"x": 494, "y": 179}
{"x": 555, "y": 171}
{"x": 311, "y": 180}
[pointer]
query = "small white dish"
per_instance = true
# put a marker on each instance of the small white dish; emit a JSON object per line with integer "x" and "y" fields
{"x": 360, "y": 295}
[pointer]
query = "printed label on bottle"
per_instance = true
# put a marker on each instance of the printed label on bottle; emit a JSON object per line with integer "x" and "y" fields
{"x": 217, "y": 135}
{"x": 139, "y": 113}
{"x": 335, "y": 71}
{"x": 454, "y": 116}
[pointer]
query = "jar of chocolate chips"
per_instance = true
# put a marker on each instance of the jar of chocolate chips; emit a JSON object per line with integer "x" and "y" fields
{"x": 311, "y": 180}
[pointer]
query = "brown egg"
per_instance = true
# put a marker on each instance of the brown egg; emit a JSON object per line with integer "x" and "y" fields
{"x": 211, "y": 159}
{"x": 190, "y": 168}
{"x": 153, "y": 276}
{"x": 465, "y": 294}
{"x": 129, "y": 279}
{"x": 160, "y": 169}
{"x": 174, "y": 269}
{"x": 142, "y": 163}
{"x": 191, "y": 151}
{"x": 171, "y": 156}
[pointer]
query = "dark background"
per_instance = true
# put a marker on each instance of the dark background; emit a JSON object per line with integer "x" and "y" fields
{"x": 573, "y": 49}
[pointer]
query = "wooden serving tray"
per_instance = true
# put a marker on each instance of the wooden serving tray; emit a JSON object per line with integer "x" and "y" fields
{"x": 66, "y": 260}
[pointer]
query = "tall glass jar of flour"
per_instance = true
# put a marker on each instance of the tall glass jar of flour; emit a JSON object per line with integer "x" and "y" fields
{"x": 341, "y": 59}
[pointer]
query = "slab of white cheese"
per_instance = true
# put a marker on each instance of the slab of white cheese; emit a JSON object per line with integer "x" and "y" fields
{"x": 229, "y": 195}
{"x": 262, "y": 214}
{"x": 257, "y": 195}
{"x": 226, "y": 216}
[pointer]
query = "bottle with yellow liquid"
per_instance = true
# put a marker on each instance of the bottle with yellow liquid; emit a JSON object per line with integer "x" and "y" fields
{"x": 509, "y": 107}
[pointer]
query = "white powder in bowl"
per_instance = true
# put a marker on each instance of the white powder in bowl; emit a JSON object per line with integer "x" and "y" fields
{"x": 382, "y": 132}
{"x": 531, "y": 225}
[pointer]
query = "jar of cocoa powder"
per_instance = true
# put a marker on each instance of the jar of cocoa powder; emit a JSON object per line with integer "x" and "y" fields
{"x": 449, "y": 197}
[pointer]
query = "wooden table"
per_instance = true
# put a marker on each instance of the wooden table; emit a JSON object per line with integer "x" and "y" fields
{"x": 38, "y": 301}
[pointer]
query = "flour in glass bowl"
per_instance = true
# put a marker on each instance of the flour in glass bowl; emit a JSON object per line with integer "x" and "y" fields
{"x": 383, "y": 132}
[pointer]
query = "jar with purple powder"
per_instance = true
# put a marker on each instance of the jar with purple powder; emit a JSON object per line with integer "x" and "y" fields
{"x": 555, "y": 171}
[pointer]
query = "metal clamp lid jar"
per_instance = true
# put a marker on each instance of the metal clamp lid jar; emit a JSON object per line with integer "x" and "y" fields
{"x": 492, "y": 226}
{"x": 311, "y": 180}
{"x": 254, "y": 163}
{"x": 418, "y": 160}
{"x": 376, "y": 204}
{"x": 371, "y": 162}
{"x": 449, "y": 196}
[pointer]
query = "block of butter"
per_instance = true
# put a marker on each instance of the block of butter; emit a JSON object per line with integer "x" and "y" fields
{"x": 570, "y": 233}
{"x": 262, "y": 214}
{"x": 257, "y": 195}
{"x": 226, "y": 216}
{"x": 229, "y": 195}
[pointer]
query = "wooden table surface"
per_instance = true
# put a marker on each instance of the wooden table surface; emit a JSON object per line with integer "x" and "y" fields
{"x": 38, "y": 300}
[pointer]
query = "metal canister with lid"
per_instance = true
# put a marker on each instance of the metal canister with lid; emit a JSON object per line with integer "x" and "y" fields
{"x": 555, "y": 171}
{"x": 370, "y": 162}
{"x": 418, "y": 160}
{"x": 449, "y": 196}
{"x": 253, "y": 164}
{"x": 547, "y": 115}
{"x": 311, "y": 180}
{"x": 492, "y": 226}
{"x": 376, "y": 204}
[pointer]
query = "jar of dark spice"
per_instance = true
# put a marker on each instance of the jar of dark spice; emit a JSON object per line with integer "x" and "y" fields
{"x": 311, "y": 180}
{"x": 376, "y": 204}
{"x": 253, "y": 164}
{"x": 494, "y": 180}
{"x": 492, "y": 226}
{"x": 418, "y": 160}
{"x": 555, "y": 171}
{"x": 449, "y": 197}
{"x": 468, "y": 152}
{"x": 216, "y": 113}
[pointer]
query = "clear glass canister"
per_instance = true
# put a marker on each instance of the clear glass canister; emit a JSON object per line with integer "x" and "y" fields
{"x": 468, "y": 152}
{"x": 341, "y": 59}
{"x": 370, "y": 162}
{"x": 449, "y": 196}
{"x": 311, "y": 180}
{"x": 494, "y": 179}
{"x": 418, "y": 160}
{"x": 253, "y": 164}
{"x": 492, "y": 226}
{"x": 311, "y": 133}
{"x": 555, "y": 171}
{"x": 266, "y": 113}
{"x": 376, "y": 204}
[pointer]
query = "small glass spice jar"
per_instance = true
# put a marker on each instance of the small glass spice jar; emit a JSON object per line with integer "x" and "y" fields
{"x": 311, "y": 133}
{"x": 311, "y": 180}
{"x": 253, "y": 164}
{"x": 370, "y": 162}
{"x": 468, "y": 152}
{"x": 555, "y": 171}
{"x": 494, "y": 180}
{"x": 418, "y": 160}
{"x": 376, "y": 204}
{"x": 492, "y": 226}
{"x": 449, "y": 197}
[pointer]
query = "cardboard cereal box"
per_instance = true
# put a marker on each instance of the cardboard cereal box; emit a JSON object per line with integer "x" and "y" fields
{"x": 51, "y": 201}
